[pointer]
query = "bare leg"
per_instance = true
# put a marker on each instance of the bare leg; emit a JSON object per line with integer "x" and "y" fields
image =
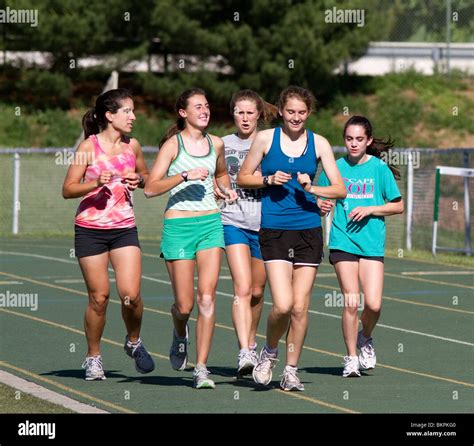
{"x": 258, "y": 286}
{"x": 181, "y": 274}
{"x": 371, "y": 278}
{"x": 348, "y": 276}
{"x": 96, "y": 276}
{"x": 209, "y": 265}
{"x": 238, "y": 257}
{"x": 303, "y": 280}
{"x": 280, "y": 275}
{"x": 127, "y": 265}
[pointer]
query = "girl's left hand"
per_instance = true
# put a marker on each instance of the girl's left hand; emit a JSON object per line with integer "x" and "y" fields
{"x": 360, "y": 212}
{"x": 132, "y": 180}
{"x": 231, "y": 196}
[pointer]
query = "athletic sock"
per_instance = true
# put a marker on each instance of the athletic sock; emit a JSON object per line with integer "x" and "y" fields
{"x": 131, "y": 344}
{"x": 272, "y": 351}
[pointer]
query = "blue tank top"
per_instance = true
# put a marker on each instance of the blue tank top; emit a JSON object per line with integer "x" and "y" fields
{"x": 289, "y": 206}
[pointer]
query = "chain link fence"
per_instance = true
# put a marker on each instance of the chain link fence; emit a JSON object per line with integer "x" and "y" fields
{"x": 43, "y": 212}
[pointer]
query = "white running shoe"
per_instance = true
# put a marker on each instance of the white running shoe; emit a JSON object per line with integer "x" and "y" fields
{"x": 367, "y": 358}
{"x": 351, "y": 367}
{"x": 247, "y": 360}
{"x": 254, "y": 355}
{"x": 290, "y": 380}
{"x": 94, "y": 368}
{"x": 179, "y": 351}
{"x": 200, "y": 378}
{"x": 262, "y": 372}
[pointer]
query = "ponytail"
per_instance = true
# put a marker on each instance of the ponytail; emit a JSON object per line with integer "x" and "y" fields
{"x": 174, "y": 129}
{"x": 378, "y": 147}
{"x": 270, "y": 112}
{"x": 89, "y": 123}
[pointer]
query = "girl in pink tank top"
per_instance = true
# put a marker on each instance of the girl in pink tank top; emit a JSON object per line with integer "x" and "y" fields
{"x": 112, "y": 168}
{"x": 109, "y": 206}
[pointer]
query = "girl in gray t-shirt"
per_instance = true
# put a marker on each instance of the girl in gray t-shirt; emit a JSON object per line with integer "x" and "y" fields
{"x": 241, "y": 220}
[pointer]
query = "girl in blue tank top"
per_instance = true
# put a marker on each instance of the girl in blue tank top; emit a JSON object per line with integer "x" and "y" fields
{"x": 290, "y": 235}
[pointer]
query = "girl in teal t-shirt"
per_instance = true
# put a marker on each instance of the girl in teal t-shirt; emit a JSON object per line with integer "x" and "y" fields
{"x": 357, "y": 238}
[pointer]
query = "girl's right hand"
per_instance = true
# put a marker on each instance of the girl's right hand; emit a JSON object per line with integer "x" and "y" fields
{"x": 199, "y": 173}
{"x": 104, "y": 178}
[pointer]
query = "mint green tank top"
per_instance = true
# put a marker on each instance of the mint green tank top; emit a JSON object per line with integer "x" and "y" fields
{"x": 192, "y": 195}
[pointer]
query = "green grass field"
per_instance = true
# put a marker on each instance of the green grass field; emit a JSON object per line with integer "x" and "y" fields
{"x": 13, "y": 401}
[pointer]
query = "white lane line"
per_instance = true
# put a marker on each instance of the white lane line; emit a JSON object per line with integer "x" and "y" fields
{"x": 456, "y": 341}
{"x": 76, "y": 280}
{"x": 419, "y": 333}
{"x": 37, "y": 256}
{"x": 437, "y": 273}
{"x": 10, "y": 282}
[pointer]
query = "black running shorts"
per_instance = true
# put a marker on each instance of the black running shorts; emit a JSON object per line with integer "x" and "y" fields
{"x": 91, "y": 242}
{"x": 299, "y": 247}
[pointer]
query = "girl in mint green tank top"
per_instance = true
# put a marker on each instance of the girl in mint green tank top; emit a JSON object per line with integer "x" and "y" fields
{"x": 187, "y": 163}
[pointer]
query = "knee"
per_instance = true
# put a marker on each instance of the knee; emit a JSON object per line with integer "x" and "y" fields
{"x": 243, "y": 292}
{"x": 299, "y": 311}
{"x": 373, "y": 307}
{"x": 351, "y": 302}
{"x": 182, "y": 310}
{"x": 257, "y": 293}
{"x": 131, "y": 300}
{"x": 98, "y": 302}
{"x": 282, "y": 309}
{"x": 206, "y": 304}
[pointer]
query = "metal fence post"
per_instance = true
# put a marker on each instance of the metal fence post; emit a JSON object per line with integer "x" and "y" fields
{"x": 409, "y": 200}
{"x": 16, "y": 192}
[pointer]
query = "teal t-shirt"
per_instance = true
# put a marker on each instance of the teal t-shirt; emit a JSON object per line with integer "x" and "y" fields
{"x": 369, "y": 184}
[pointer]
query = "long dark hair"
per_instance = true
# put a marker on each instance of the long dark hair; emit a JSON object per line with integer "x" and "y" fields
{"x": 268, "y": 112}
{"x": 181, "y": 103}
{"x": 94, "y": 121}
{"x": 378, "y": 146}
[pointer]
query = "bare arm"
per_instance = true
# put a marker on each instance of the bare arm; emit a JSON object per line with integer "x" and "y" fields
{"x": 337, "y": 189}
{"x": 139, "y": 177}
{"x": 247, "y": 177}
{"x": 141, "y": 167}
{"x": 221, "y": 176}
{"x": 157, "y": 184}
{"x": 391, "y": 208}
{"x": 72, "y": 186}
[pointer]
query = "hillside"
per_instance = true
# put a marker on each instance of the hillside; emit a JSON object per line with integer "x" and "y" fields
{"x": 416, "y": 110}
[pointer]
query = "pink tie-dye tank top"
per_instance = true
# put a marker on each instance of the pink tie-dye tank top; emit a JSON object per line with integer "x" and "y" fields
{"x": 109, "y": 206}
